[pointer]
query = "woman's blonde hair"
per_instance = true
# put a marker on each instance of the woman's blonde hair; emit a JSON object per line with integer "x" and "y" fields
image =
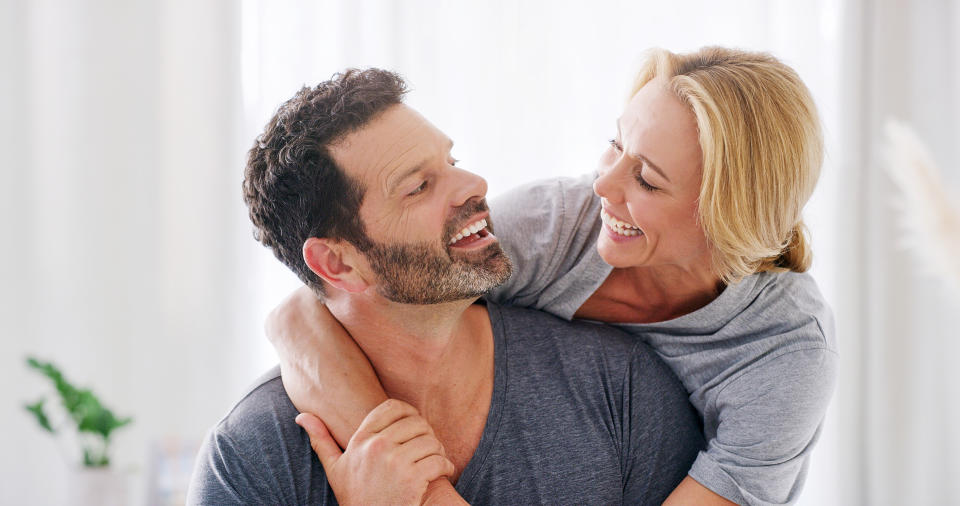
{"x": 762, "y": 151}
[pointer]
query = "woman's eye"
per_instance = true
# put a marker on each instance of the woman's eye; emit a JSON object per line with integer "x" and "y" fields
{"x": 614, "y": 144}
{"x": 644, "y": 184}
{"x": 423, "y": 186}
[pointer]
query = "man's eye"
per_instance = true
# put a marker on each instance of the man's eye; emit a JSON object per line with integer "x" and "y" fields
{"x": 454, "y": 161}
{"x": 423, "y": 186}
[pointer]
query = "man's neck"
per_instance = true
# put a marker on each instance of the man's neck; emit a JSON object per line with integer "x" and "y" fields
{"x": 438, "y": 358}
{"x": 426, "y": 355}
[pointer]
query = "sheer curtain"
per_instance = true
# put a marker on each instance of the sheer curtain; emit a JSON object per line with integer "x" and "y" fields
{"x": 899, "y": 398}
{"x": 122, "y": 224}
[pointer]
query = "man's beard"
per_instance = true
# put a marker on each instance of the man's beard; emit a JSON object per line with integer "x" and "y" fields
{"x": 422, "y": 273}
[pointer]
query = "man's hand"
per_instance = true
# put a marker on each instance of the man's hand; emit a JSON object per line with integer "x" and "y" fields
{"x": 389, "y": 460}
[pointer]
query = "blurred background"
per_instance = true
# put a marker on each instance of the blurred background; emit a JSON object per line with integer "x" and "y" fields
{"x": 128, "y": 260}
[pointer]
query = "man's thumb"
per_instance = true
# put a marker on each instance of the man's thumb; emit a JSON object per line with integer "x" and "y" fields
{"x": 320, "y": 439}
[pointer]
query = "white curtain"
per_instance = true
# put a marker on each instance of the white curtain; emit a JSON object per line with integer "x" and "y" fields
{"x": 127, "y": 255}
{"x": 898, "y": 400}
{"x": 122, "y": 225}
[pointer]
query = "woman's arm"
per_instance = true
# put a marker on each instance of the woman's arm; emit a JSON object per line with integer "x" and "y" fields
{"x": 324, "y": 371}
{"x": 692, "y": 493}
{"x": 326, "y": 374}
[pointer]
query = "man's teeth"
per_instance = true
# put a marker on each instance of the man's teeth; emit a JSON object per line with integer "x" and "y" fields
{"x": 470, "y": 230}
{"x": 618, "y": 226}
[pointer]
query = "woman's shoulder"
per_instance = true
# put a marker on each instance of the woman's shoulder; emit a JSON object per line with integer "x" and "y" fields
{"x": 794, "y": 297}
{"x": 548, "y": 228}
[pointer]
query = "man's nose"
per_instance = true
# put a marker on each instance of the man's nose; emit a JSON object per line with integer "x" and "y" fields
{"x": 467, "y": 185}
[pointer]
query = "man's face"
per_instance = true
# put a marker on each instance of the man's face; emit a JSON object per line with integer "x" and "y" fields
{"x": 416, "y": 205}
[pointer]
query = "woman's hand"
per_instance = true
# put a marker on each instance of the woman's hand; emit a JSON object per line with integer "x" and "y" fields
{"x": 391, "y": 459}
{"x": 324, "y": 371}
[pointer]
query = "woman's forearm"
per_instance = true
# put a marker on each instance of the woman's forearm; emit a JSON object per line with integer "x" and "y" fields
{"x": 324, "y": 371}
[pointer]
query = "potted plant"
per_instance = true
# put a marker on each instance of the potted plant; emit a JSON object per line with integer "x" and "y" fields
{"x": 92, "y": 425}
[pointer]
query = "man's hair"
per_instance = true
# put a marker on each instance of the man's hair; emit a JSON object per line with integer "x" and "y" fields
{"x": 293, "y": 187}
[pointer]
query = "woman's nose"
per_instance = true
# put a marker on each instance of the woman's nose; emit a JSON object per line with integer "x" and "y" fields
{"x": 607, "y": 185}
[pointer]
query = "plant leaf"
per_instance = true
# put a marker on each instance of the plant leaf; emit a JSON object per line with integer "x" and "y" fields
{"x": 41, "y": 416}
{"x": 82, "y": 405}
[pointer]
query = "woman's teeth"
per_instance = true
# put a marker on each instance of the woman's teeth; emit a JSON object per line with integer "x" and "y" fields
{"x": 469, "y": 230}
{"x": 620, "y": 227}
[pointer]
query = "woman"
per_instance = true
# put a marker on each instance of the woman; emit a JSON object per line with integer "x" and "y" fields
{"x": 693, "y": 242}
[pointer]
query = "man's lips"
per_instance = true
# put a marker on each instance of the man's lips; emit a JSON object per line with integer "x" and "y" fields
{"x": 474, "y": 226}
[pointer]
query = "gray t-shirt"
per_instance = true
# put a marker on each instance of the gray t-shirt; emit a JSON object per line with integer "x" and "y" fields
{"x": 759, "y": 362}
{"x": 581, "y": 413}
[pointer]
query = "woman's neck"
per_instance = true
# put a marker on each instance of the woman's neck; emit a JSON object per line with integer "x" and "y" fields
{"x": 650, "y": 294}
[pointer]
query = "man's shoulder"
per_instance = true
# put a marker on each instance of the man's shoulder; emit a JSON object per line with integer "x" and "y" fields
{"x": 257, "y": 454}
{"x": 584, "y": 353}
{"x": 264, "y": 402}
{"x": 574, "y": 336}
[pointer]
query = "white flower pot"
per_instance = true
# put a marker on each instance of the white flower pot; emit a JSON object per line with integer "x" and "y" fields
{"x": 97, "y": 486}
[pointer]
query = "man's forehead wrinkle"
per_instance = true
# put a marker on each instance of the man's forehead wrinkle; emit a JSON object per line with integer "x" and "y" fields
{"x": 393, "y": 166}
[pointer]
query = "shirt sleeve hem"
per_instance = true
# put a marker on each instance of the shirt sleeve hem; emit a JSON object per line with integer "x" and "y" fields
{"x": 707, "y": 473}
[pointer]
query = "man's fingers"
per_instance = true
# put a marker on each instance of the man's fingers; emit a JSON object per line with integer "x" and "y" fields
{"x": 384, "y": 415}
{"x": 407, "y": 428}
{"x": 320, "y": 440}
{"x": 434, "y": 467}
{"x": 420, "y": 448}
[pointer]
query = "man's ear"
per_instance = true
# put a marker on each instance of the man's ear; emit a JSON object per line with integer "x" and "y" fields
{"x": 336, "y": 262}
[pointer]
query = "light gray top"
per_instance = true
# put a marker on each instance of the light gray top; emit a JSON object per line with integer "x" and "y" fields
{"x": 759, "y": 362}
{"x": 580, "y": 414}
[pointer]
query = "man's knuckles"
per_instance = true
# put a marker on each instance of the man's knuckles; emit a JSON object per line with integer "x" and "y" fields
{"x": 378, "y": 446}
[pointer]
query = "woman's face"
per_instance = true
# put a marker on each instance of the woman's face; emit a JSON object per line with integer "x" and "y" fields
{"x": 649, "y": 182}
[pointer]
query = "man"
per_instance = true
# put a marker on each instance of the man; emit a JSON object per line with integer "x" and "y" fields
{"x": 358, "y": 194}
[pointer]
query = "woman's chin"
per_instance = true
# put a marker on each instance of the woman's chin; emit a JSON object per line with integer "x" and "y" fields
{"x": 615, "y": 256}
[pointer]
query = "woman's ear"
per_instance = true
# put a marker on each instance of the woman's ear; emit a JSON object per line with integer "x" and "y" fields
{"x": 336, "y": 262}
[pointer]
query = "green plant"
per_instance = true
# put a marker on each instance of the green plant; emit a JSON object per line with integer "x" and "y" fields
{"x": 94, "y": 422}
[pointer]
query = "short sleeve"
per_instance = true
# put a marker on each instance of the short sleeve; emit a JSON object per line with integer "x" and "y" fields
{"x": 548, "y": 229}
{"x": 769, "y": 419}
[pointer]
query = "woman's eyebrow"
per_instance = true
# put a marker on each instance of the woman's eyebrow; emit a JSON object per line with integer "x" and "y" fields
{"x": 644, "y": 159}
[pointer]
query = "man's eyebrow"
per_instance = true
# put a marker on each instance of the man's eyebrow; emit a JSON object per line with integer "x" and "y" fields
{"x": 412, "y": 171}
{"x": 642, "y": 158}
{"x": 403, "y": 177}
